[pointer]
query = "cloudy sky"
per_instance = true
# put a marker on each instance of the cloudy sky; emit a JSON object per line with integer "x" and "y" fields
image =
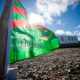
{"x": 60, "y": 16}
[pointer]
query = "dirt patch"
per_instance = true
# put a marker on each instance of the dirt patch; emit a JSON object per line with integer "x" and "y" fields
{"x": 62, "y": 64}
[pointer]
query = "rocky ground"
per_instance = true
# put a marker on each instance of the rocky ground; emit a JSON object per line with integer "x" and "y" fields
{"x": 62, "y": 64}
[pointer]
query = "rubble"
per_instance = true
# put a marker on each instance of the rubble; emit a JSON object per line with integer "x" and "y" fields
{"x": 62, "y": 64}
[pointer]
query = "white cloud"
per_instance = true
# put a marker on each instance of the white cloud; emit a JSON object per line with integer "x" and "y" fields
{"x": 78, "y": 26}
{"x": 60, "y": 32}
{"x": 46, "y": 9}
{"x": 36, "y": 19}
{"x": 59, "y": 22}
{"x": 49, "y": 8}
{"x": 79, "y": 33}
{"x": 79, "y": 39}
{"x": 77, "y": 3}
{"x": 76, "y": 32}
{"x": 68, "y": 33}
{"x": 64, "y": 24}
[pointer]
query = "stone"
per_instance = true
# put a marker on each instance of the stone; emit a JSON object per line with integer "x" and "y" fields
{"x": 77, "y": 66}
{"x": 50, "y": 69}
{"x": 69, "y": 70}
{"x": 43, "y": 68}
{"x": 74, "y": 78}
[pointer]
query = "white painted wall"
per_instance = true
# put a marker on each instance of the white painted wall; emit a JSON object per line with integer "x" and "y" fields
{"x": 67, "y": 39}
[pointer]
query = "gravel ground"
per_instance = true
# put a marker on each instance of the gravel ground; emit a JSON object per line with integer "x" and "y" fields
{"x": 62, "y": 64}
